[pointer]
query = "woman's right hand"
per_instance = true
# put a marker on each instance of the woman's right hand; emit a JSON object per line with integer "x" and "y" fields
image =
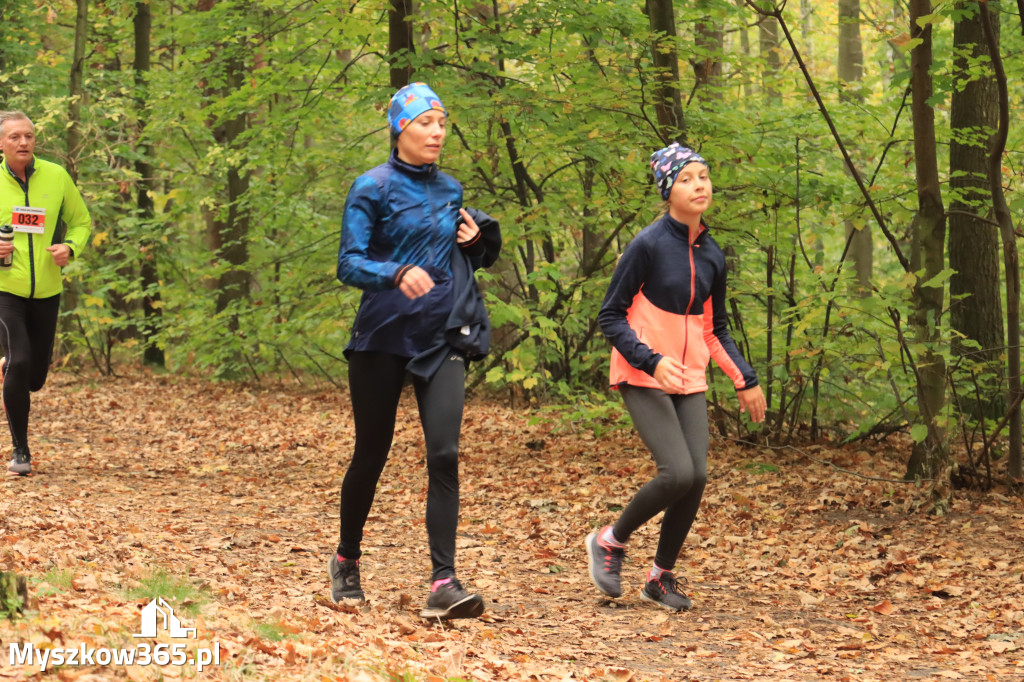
{"x": 669, "y": 374}
{"x": 415, "y": 282}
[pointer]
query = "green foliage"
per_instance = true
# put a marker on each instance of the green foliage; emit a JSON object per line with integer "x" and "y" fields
{"x": 57, "y": 580}
{"x": 273, "y": 632}
{"x": 185, "y": 596}
{"x": 552, "y": 127}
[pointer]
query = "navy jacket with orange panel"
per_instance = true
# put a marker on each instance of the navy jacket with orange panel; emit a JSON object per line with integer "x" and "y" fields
{"x": 667, "y": 298}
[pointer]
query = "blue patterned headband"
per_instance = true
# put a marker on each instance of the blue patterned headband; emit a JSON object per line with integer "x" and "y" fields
{"x": 666, "y": 164}
{"x": 409, "y": 102}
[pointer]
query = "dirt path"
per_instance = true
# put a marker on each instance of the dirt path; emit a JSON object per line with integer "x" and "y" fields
{"x": 797, "y": 571}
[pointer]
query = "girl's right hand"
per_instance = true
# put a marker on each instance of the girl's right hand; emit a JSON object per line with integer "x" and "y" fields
{"x": 415, "y": 282}
{"x": 669, "y": 375}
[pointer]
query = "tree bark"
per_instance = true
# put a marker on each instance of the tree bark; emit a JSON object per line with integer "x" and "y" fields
{"x": 1011, "y": 259}
{"x": 152, "y": 309}
{"x": 13, "y": 593}
{"x": 745, "y": 51}
{"x": 229, "y": 234}
{"x": 76, "y": 89}
{"x": 973, "y": 240}
{"x": 806, "y": 12}
{"x": 400, "y": 42}
{"x": 709, "y": 41}
{"x": 931, "y": 457}
{"x": 768, "y": 42}
{"x": 668, "y": 101}
{"x": 850, "y": 64}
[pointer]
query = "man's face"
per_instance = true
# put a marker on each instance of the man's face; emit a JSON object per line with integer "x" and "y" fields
{"x": 17, "y": 142}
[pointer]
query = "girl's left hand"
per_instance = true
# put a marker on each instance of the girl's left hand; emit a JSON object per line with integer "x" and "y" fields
{"x": 468, "y": 229}
{"x": 752, "y": 401}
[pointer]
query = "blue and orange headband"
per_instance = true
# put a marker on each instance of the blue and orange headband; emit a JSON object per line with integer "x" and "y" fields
{"x": 666, "y": 164}
{"x": 408, "y": 103}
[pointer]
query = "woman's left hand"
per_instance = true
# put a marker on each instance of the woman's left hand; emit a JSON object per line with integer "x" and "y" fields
{"x": 468, "y": 229}
{"x": 752, "y": 402}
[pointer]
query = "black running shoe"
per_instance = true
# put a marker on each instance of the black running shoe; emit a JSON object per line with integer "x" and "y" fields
{"x": 21, "y": 462}
{"x": 451, "y": 601}
{"x": 664, "y": 592}
{"x": 605, "y": 565}
{"x": 344, "y": 579}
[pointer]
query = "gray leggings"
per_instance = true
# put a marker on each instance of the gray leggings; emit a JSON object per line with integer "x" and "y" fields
{"x": 675, "y": 430}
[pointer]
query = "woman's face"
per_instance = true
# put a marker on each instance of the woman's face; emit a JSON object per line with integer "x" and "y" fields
{"x": 691, "y": 192}
{"x": 421, "y": 141}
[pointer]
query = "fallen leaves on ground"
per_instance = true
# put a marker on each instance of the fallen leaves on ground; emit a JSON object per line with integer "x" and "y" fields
{"x": 797, "y": 570}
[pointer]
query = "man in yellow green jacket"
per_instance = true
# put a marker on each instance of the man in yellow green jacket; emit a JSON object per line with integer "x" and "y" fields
{"x": 51, "y": 227}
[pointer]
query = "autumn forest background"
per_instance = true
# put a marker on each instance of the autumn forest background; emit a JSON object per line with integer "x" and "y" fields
{"x": 867, "y": 188}
{"x": 867, "y": 162}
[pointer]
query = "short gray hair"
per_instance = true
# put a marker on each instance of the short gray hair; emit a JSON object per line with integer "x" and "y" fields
{"x": 6, "y": 116}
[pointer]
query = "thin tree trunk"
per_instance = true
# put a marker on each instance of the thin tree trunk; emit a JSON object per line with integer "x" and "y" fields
{"x": 668, "y": 102}
{"x": 400, "y": 42}
{"x": 975, "y": 304}
{"x": 850, "y": 64}
{"x": 229, "y": 235}
{"x": 768, "y": 41}
{"x": 709, "y": 41}
{"x": 151, "y": 303}
{"x": 76, "y": 89}
{"x": 806, "y": 12}
{"x": 931, "y": 457}
{"x": 1011, "y": 258}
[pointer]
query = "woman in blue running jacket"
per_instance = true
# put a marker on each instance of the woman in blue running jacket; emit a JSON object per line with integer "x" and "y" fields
{"x": 411, "y": 246}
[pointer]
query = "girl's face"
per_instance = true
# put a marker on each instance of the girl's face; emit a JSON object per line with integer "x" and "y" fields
{"x": 421, "y": 141}
{"x": 691, "y": 193}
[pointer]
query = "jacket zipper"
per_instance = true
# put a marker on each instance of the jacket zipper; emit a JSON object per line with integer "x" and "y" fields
{"x": 31, "y": 251}
{"x": 433, "y": 222}
{"x": 689, "y": 304}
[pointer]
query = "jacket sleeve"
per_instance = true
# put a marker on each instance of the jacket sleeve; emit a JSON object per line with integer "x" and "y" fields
{"x": 363, "y": 208}
{"x": 483, "y": 251}
{"x": 76, "y": 216}
{"x": 627, "y": 280}
{"x": 720, "y": 343}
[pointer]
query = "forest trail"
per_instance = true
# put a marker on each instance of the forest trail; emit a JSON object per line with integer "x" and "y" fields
{"x": 799, "y": 568}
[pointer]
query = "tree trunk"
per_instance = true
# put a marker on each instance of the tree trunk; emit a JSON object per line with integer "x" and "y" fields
{"x": 151, "y": 304}
{"x": 709, "y": 41}
{"x": 4, "y": 19}
{"x": 229, "y": 234}
{"x": 768, "y": 41}
{"x": 1011, "y": 259}
{"x": 850, "y": 65}
{"x": 973, "y": 240}
{"x": 806, "y": 32}
{"x": 400, "y": 42}
{"x": 75, "y": 89}
{"x": 13, "y": 594}
{"x": 931, "y": 457}
{"x": 668, "y": 101}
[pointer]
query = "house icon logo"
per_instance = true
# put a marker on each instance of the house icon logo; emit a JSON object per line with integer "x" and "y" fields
{"x": 159, "y": 612}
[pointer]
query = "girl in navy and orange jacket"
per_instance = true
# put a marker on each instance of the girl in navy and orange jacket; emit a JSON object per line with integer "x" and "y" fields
{"x": 665, "y": 315}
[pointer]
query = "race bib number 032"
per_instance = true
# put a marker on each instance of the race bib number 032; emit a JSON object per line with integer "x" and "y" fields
{"x": 28, "y": 219}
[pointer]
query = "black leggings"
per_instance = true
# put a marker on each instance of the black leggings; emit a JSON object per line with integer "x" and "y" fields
{"x": 375, "y": 380}
{"x": 675, "y": 429}
{"x": 27, "y": 328}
